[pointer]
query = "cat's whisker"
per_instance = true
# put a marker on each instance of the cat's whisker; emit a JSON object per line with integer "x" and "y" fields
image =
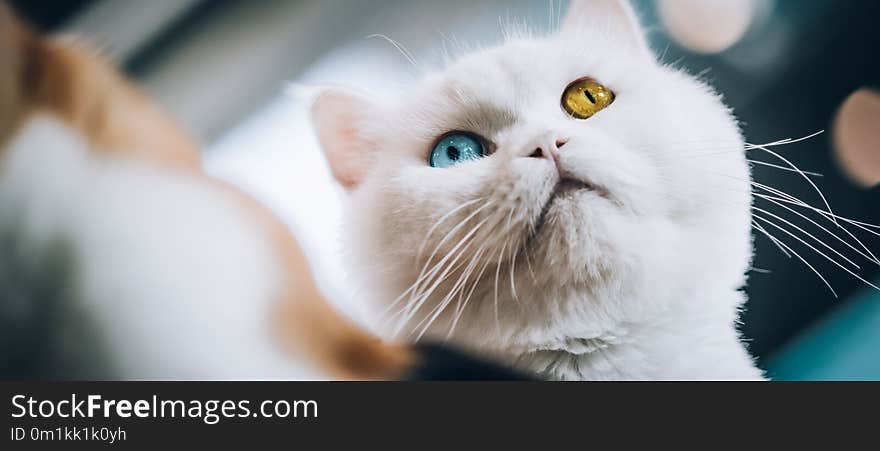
{"x": 467, "y": 298}
{"x": 509, "y": 220}
{"x": 810, "y": 220}
{"x": 760, "y": 270}
{"x": 458, "y": 287}
{"x": 531, "y": 271}
{"x": 772, "y": 238}
{"x": 474, "y": 286}
{"x": 420, "y": 300}
{"x": 808, "y": 234}
{"x": 462, "y": 295}
{"x": 865, "y": 224}
{"x": 400, "y": 48}
{"x": 792, "y": 200}
{"x": 422, "y": 274}
{"x": 824, "y": 214}
{"x": 442, "y": 277}
{"x": 810, "y": 181}
{"x": 440, "y": 221}
{"x": 787, "y": 198}
{"x": 764, "y": 163}
{"x": 835, "y": 262}
{"x": 449, "y": 235}
{"x": 497, "y": 274}
{"x": 447, "y": 299}
{"x": 415, "y": 287}
{"x": 793, "y": 252}
{"x": 787, "y": 141}
{"x": 514, "y": 253}
{"x": 829, "y": 214}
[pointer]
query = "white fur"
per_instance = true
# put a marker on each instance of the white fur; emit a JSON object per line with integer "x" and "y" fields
{"x": 641, "y": 282}
{"x": 178, "y": 275}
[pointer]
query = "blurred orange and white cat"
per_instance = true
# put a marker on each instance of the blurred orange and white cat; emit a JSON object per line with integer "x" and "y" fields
{"x": 162, "y": 270}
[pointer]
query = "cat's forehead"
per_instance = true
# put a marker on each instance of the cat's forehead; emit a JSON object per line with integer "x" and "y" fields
{"x": 512, "y": 67}
{"x": 519, "y": 72}
{"x": 489, "y": 90}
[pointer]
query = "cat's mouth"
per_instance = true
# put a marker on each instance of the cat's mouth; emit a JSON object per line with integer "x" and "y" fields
{"x": 565, "y": 188}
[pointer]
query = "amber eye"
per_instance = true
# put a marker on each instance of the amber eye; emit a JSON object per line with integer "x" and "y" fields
{"x": 585, "y": 97}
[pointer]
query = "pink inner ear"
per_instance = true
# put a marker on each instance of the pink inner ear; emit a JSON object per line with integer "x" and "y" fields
{"x": 336, "y": 116}
{"x": 349, "y": 169}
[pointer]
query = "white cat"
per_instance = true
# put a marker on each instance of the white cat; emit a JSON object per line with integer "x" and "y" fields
{"x": 548, "y": 201}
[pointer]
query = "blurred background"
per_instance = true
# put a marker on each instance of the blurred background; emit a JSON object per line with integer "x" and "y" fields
{"x": 229, "y": 71}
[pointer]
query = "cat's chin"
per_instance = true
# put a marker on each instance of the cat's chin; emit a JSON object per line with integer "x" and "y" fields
{"x": 568, "y": 187}
{"x": 568, "y": 191}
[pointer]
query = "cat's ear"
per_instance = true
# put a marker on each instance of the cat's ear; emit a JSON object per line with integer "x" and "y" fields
{"x": 339, "y": 117}
{"x": 614, "y": 17}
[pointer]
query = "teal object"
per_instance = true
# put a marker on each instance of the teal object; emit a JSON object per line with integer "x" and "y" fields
{"x": 455, "y": 148}
{"x": 845, "y": 345}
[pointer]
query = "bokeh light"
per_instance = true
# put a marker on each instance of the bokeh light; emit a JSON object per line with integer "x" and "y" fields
{"x": 707, "y": 26}
{"x": 857, "y": 137}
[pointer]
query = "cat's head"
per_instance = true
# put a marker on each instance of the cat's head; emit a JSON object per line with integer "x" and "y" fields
{"x": 550, "y": 187}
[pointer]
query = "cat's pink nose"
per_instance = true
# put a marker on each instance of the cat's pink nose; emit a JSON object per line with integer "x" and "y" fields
{"x": 549, "y": 149}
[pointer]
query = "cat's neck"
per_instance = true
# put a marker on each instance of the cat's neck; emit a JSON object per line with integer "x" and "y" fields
{"x": 682, "y": 342}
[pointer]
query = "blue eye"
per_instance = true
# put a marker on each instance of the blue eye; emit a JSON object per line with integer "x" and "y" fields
{"x": 455, "y": 148}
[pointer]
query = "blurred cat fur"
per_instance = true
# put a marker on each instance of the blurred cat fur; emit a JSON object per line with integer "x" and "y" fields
{"x": 120, "y": 258}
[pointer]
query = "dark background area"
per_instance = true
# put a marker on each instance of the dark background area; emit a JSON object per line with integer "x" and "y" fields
{"x": 48, "y": 14}
{"x": 826, "y": 50}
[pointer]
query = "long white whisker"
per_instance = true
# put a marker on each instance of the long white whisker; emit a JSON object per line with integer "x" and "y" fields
{"x": 787, "y": 141}
{"x": 422, "y": 275}
{"x": 808, "y": 234}
{"x": 440, "y": 221}
{"x": 467, "y": 298}
{"x": 725, "y": 147}
{"x": 400, "y": 48}
{"x": 459, "y": 287}
{"x": 443, "y": 241}
{"x": 441, "y": 306}
{"x": 497, "y": 273}
{"x": 772, "y": 238}
{"x": 805, "y": 177}
{"x": 787, "y": 198}
{"x": 805, "y": 217}
{"x": 818, "y": 252}
{"x": 439, "y": 279}
{"x": 512, "y": 271}
{"x": 804, "y": 262}
{"x": 531, "y": 271}
{"x": 764, "y": 163}
{"x": 824, "y": 215}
